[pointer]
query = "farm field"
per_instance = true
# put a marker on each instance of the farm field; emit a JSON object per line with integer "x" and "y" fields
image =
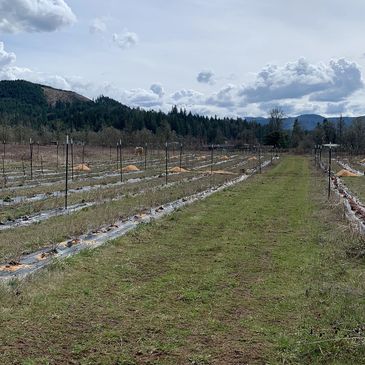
{"x": 258, "y": 273}
{"x": 33, "y": 214}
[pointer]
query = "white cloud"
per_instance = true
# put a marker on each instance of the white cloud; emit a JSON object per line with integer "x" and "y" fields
{"x": 206, "y": 77}
{"x": 157, "y": 89}
{"x": 126, "y": 39}
{"x": 339, "y": 77}
{"x": 140, "y": 98}
{"x": 97, "y": 26}
{"x": 297, "y": 79}
{"x": 187, "y": 97}
{"x": 224, "y": 98}
{"x": 34, "y": 15}
{"x": 6, "y": 58}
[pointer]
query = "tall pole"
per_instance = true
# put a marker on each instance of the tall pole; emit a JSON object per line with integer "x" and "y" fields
{"x": 72, "y": 159}
{"x": 117, "y": 156}
{"x": 181, "y": 150}
{"x": 4, "y": 142}
{"x": 83, "y": 152}
{"x": 66, "y": 175}
{"x": 57, "y": 154}
{"x": 260, "y": 159}
{"x": 120, "y": 160}
{"x": 211, "y": 159}
{"x": 23, "y": 166}
{"x": 166, "y": 162}
{"x": 329, "y": 170}
{"x": 31, "y": 158}
{"x": 145, "y": 157}
{"x": 42, "y": 170}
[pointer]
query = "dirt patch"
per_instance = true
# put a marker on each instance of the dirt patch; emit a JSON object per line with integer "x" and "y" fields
{"x": 130, "y": 168}
{"x": 13, "y": 266}
{"x": 82, "y": 168}
{"x": 346, "y": 173}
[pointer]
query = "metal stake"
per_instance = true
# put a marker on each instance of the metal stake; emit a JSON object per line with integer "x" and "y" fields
{"x": 66, "y": 175}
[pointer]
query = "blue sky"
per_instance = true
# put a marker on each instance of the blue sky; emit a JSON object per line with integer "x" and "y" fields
{"x": 224, "y": 57}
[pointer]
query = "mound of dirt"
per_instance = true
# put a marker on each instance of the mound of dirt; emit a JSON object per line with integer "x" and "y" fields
{"x": 130, "y": 168}
{"x": 82, "y": 168}
{"x": 177, "y": 169}
{"x": 253, "y": 158}
{"x": 346, "y": 173}
{"x": 201, "y": 158}
{"x": 224, "y": 158}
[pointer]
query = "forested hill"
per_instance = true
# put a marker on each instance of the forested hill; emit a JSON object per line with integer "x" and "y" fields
{"x": 38, "y": 107}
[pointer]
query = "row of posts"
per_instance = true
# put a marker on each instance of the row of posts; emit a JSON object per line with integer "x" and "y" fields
{"x": 69, "y": 150}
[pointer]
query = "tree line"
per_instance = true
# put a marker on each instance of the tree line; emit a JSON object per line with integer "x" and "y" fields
{"x": 25, "y": 113}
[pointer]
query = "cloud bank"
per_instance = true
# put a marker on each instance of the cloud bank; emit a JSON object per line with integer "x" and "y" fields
{"x": 297, "y": 87}
{"x": 34, "y": 15}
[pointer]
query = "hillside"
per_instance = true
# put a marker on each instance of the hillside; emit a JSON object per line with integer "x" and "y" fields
{"x": 42, "y": 107}
{"x": 54, "y": 96}
{"x": 25, "y": 92}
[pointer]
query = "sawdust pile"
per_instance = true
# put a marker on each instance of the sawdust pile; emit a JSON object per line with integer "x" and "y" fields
{"x": 130, "y": 168}
{"x": 177, "y": 169}
{"x": 346, "y": 173}
{"x": 82, "y": 168}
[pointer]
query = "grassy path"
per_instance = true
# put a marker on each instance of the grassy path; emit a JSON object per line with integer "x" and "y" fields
{"x": 256, "y": 274}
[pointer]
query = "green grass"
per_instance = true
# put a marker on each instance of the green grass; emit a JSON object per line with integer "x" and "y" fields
{"x": 256, "y": 274}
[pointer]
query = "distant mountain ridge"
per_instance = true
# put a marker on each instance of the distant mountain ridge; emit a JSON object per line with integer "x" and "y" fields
{"x": 307, "y": 121}
{"x": 41, "y": 103}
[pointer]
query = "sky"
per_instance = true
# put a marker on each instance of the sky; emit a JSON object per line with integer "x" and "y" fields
{"x": 231, "y": 58}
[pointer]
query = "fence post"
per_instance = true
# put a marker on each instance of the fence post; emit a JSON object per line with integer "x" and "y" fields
{"x": 72, "y": 159}
{"x": 31, "y": 158}
{"x": 181, "y": 150}
{"x": 120, "y": 160}
{"x": 4, "y": 142}
{"x": 66, "y": 175}
{"x": 329, "y": 171}
{"x": 166, "y": 162}
{"x": 57, "y": 154}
